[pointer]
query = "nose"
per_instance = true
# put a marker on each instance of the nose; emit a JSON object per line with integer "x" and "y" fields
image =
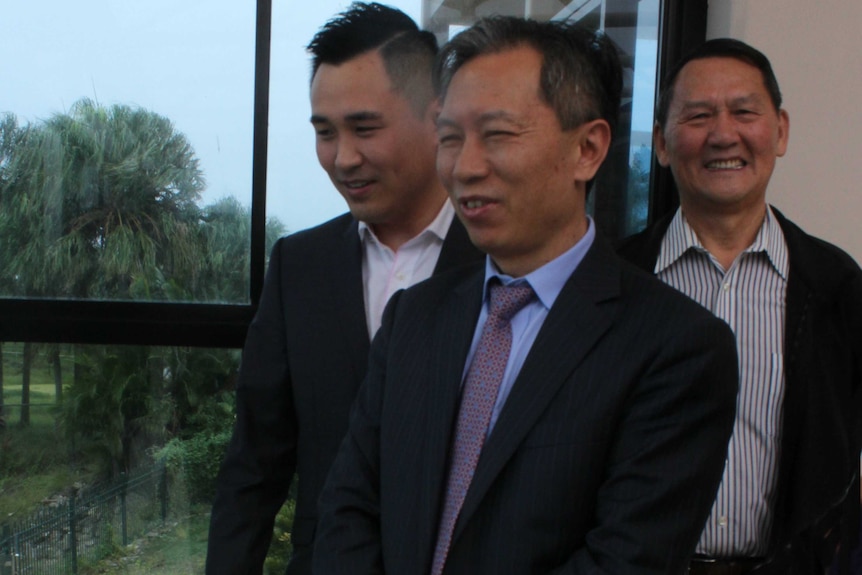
{"x": 723, "y": 132}
{"x": 469, "y": 161}
{"x": 347, "y": 154}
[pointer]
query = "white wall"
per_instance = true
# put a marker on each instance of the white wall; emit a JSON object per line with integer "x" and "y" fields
{"x": 816, "y": 52}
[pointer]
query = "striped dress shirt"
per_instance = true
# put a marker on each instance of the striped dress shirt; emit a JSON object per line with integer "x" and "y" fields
{"x": 750, "y": 296}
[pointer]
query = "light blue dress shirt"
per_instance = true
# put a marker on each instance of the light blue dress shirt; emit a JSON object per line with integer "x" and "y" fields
{"x": 547, "y": 281}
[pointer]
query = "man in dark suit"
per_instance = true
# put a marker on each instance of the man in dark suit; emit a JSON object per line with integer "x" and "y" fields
{"x": 789, "y": 497}
{"x": 306, "y": 351}
{"x": 583, "y": 434}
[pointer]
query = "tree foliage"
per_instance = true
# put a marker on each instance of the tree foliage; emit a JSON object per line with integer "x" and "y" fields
{"x": 104, "y": 203}
{"x": 101, "y": 203}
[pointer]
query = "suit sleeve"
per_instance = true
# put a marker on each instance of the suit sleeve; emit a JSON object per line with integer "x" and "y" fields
{"x": 349, "y": 539}
{"x": 666, "y": 462}
{"x": 255, "y": 475}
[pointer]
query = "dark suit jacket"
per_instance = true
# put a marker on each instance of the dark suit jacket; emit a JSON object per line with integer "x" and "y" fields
{"x": 605, "y": 458}
{"x": 305, "y": 355}
{"x": 818, "y": 491}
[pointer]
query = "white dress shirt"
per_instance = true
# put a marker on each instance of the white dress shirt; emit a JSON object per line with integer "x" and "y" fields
{"x": 385, "y": 271}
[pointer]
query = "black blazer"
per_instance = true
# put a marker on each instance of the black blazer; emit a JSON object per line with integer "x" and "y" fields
{"x": 818, "y": 477}
{"x": 305, "y": 355}
{"x": 605, "y": 458}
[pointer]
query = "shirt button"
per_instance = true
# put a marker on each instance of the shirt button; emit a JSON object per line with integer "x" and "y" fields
{"x": 722, "y": 521}
{"x": 725, "y": 287}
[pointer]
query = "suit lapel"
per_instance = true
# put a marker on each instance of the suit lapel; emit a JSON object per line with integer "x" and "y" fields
{"x": 453, "y": 331}
{"x": 573, "y": 326}
{"x": 457, "y": 249}
{"x": 349, "y": 305}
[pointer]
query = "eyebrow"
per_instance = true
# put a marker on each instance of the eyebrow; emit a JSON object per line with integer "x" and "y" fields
{"x": 362, "y": 116}
{"x": 746, "y": 99}
{"x": 483, "y": 118}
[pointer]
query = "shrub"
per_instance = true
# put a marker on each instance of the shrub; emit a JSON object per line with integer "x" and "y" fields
{"x": 197, "y": 460}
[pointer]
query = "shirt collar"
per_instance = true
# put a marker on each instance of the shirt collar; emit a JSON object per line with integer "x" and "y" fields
{"x": 772, "y": 240}
{"x": 439, "y": 227}
{"x": 680, "y": 238}
{"x": 548, "y": 280}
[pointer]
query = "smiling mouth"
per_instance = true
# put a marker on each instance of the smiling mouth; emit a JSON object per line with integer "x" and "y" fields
{"x": 474, "y": 204}
{"x": 735, "y": 164}
{"x": 356, "y": 184}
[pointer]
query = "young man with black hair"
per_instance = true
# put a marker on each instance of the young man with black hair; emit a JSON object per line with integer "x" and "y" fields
{"x": 306, "y": 352}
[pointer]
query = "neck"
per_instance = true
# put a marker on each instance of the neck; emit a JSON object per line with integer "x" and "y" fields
{"x": 518, "y": 265}
{"x": 725, "y": 236}
{"x": 408, "y": 225}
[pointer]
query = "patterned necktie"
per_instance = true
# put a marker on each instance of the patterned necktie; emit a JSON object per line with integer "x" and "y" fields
{"x": 477, "y": 401}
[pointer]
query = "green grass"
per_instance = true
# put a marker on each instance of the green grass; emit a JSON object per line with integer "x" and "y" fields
{"x": 37, "y": 461}
{"x": 177, "y": 549}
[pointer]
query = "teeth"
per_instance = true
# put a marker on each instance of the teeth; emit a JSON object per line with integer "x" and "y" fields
{"x": 355, "y": 185}
{"x": 726, "y": 164}
{"x": 473, "y": 204}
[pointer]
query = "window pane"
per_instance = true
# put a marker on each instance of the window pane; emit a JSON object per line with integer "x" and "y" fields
{"x": 86, "y": 213}
{"x": 110, "y": 451}
{"x": 300, "y": 194}
{"x": 126, "y": 150}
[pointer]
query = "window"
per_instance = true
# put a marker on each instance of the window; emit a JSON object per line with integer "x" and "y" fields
{"x": 150, "y": 153}
{"x": 127, "y": 173}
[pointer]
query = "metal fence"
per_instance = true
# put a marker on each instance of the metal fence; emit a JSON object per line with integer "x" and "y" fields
{"x": 85, "y": 528}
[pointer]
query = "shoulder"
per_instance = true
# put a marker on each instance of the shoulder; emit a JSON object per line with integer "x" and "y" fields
{"x": 452, "y": 282}
{"x": 335, "y": 228}
{"x": 330, "y": 253}
{"x": 645, "y": 305}
{"x": 643, "y": 291}
{"x": 449, "y": 296}
{"x": 819, "y": 264}
{"x": 642, "y": 248}
{"x": 319, "y": 240}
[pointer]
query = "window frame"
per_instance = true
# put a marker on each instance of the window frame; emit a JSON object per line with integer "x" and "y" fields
{"x": 682, "y": 25}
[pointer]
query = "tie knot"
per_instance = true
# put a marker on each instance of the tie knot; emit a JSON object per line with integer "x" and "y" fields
{"x": 506, "y": 301}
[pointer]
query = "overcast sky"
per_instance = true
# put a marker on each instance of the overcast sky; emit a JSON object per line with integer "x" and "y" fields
{"x": 192, "y": 62}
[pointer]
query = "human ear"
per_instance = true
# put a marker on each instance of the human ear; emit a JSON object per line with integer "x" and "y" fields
{"x": 594, "y": 141}
{"x": 783, "y": 132}
{"x": 660, "y": 145}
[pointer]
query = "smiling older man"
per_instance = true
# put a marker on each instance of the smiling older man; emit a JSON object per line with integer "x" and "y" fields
{"x": 790, "y": 489}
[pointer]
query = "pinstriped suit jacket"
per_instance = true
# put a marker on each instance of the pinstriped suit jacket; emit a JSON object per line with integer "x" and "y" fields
{"x": 305, "y": 355}
{"x": 605, "y": 458}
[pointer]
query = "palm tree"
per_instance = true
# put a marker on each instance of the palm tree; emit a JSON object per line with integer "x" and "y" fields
{"x": 128, "y": 186}
{"x": 226, "y": 237}
{"x": 98, "y": 203}
{"x": 101, "y": 203}
{"x": 10, "y": 136}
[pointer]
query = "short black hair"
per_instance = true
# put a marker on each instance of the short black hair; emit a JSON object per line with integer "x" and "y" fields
{"x": 581, "y": 76}
{"x": 719, "y": 48}
{"x": 407, "y": 51}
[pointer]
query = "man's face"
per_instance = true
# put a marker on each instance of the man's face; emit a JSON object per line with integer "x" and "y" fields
{"x": 722, "y": 136}
{"x": 508, "y": 167}
{"x": 378, "y": 152}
